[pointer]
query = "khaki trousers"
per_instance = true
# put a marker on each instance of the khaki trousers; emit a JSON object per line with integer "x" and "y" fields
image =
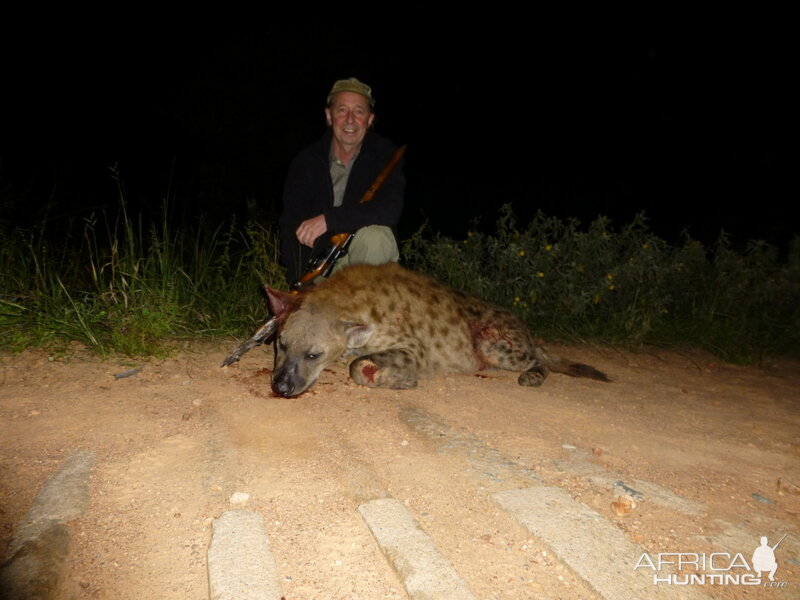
{"x": 372, "y": 245}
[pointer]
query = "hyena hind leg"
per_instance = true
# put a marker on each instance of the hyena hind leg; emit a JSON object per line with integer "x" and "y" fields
{"x": 396, "y": 369}
{"x": 504, "y": 343}
{"x": 534, "y": 376}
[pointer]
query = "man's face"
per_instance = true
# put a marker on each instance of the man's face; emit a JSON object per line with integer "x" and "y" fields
{"x": 349, "y": 116}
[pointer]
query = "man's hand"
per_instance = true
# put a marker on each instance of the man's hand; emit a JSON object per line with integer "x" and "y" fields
{"x": 311, "y": 229}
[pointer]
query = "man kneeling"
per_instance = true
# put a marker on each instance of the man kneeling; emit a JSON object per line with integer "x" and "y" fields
{"x": 327, "y": 180}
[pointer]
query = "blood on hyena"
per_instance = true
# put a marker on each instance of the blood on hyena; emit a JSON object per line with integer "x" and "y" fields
{"x": 401, "y": 326}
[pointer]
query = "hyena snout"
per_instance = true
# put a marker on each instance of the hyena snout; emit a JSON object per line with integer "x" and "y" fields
{"x": 282, "y": 387}
{"x": 286, "y": 382}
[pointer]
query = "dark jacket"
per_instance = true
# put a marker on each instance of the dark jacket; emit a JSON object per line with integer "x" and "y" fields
{"x": 308, "y": 192}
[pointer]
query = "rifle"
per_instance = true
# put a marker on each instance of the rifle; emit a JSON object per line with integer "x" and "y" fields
{"x": 779, "y": 541}
{"x": 317, "y": 267}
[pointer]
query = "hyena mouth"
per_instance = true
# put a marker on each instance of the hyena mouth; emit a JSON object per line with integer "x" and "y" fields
{"x": 287, "y": 384}
{"x": 287, "y": 387}
{"x": 283, "y": 388}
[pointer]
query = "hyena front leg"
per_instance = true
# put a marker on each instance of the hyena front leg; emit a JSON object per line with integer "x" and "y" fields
{"x": 504, "y": 342}
{"x": 397, "y": 369}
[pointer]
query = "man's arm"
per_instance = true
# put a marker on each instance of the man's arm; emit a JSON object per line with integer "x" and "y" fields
{"x": 310, "y": 229}
{"x": 304, "y": 195}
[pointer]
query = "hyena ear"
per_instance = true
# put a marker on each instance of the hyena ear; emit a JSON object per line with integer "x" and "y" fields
{"x": 281, "y": 303}
{"x": 357, "y": 334}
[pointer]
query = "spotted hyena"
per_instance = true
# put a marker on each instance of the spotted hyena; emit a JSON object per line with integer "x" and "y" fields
{"x": 400, "y": 325}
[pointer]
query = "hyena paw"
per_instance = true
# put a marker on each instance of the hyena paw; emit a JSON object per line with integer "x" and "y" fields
{"x": 369, "y": 372}
{"x": 533, "y": 377}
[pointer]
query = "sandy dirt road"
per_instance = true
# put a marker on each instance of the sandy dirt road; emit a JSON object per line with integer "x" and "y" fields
{"x": 680, "y": 453}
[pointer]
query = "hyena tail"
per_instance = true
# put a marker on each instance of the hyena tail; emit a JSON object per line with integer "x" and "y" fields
{"x": 567, "y": 367}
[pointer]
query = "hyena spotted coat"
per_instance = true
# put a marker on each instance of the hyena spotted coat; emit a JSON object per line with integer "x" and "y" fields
{"x": 401, "y": 326}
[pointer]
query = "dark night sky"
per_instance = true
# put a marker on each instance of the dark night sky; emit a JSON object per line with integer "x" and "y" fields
{"x": 691, "y": 129}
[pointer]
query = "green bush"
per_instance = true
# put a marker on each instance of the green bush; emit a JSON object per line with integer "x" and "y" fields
{"x": 625, "y": 285}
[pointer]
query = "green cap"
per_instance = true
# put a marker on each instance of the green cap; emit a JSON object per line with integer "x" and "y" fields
{"x": 352, "y": 85}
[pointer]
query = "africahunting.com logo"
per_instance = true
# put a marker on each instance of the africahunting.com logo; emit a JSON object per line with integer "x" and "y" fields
{"x": 717, "y": 568}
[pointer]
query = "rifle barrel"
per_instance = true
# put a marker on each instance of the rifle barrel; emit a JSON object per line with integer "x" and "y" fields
{"x": 779, "y": 541}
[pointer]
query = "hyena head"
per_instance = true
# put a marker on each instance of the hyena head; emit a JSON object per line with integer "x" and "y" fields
{"x": 310, "y": 337}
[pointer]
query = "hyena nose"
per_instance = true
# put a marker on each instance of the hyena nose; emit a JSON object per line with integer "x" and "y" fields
{"x": 283, "y": 388}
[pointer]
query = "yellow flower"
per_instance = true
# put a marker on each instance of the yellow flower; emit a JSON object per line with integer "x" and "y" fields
{"x": 522, "y": 252}
{"x": 540, "y": 274}
{"x": 609, "y": 276}
{"x": 611, "y": 287}
{"x": 548, "y": 247}
{"x": 645, "y": 245}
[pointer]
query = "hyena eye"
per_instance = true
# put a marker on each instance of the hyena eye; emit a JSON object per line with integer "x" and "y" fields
{"x": 313, "y": 355}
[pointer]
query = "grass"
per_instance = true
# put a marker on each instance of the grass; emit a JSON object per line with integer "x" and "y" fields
{"x": 120, "y": 285}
